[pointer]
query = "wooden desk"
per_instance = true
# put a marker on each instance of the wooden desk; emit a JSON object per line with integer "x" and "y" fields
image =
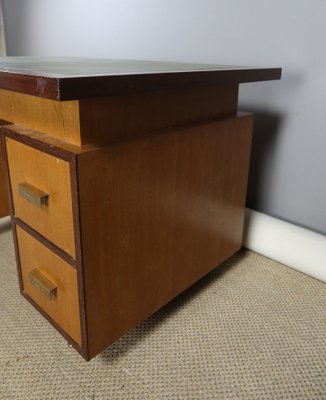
{"x": 127, "y": 183}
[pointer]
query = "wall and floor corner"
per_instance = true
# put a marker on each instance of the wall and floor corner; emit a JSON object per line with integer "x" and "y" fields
{"x": 287, "y": 178}
{"x": 289, "y": 244}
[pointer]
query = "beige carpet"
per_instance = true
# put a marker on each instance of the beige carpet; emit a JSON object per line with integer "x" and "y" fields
{"x": 252, "y": 329}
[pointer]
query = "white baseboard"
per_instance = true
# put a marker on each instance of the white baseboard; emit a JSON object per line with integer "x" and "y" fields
{"x": 286, "y": 243}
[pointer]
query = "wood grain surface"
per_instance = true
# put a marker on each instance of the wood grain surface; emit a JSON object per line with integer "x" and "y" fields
{"x": 165, "y": 210}
{"x": 51, "y": 175}
{"x": 108, "y": 119}
{"x": 58, "y": 119}
{"x": 116, "y": 118}
{"x": 63, "y": 308}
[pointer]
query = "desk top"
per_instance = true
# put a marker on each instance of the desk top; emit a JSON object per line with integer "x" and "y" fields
{"x": 68, "y": 78}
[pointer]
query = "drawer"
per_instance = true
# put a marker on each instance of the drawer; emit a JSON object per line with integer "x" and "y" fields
{"x": 41, "y": 193}
{"x": 50, "y": 282}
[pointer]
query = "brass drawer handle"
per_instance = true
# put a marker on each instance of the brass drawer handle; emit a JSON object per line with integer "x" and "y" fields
{"x": 44, "y": 284}
{"x": 33, "y": 195}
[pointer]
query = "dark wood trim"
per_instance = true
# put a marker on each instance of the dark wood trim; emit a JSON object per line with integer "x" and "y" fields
{"x": 72, "y": 88}
{"x": 37, "y": 144}
{"x": 55, "y": 325}
{"x": 30, "y": 84}
{"x": 97, "y": 86}
{"x": 79, "y": 258}
{"x": 55, "y": 249}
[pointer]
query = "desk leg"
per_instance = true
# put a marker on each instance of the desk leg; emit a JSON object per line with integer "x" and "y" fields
{"x": 4, "y": 208}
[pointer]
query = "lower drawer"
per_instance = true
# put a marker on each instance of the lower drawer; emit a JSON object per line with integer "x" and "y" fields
{"x": 50, "y": 282}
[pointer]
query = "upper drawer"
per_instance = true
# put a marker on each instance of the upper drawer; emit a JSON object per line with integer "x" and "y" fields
{"x": 41, "y": 192}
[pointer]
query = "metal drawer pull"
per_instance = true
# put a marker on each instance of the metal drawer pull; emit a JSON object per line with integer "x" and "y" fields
{"x": 33, "y": 195}
{"x": 44, "y": 284}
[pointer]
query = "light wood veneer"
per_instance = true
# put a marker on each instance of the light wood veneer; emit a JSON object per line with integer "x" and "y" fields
{"x": 62, "y": 308}
{"x": 51, "y": 175}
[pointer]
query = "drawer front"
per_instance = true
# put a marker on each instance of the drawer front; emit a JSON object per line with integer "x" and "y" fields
{"x": 41, "y": 192}
{"x": 50, "y": 282}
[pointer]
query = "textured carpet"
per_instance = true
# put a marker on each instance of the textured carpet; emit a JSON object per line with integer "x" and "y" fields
{"x": 252, "y": 329}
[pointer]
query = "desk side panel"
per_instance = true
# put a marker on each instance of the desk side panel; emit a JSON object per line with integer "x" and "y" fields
{"x": 157, "y": 214}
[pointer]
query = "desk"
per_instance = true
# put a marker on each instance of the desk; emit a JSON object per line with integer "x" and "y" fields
{"x": 127, "y": 183}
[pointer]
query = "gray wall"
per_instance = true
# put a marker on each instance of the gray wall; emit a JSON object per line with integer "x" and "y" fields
{"x": 287, "y": 177}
